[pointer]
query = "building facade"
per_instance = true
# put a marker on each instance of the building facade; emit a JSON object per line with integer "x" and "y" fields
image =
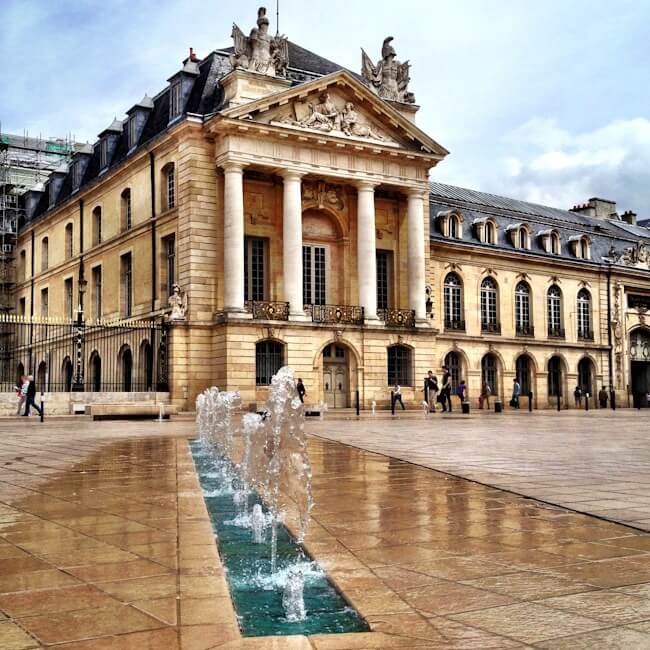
{"x": 277, "y": 209}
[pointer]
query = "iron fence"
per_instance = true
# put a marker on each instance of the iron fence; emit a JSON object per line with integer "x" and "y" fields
{"x": 64, "y": 355}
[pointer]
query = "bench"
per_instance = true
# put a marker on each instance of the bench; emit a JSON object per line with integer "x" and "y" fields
{"x": 129, "y": 411}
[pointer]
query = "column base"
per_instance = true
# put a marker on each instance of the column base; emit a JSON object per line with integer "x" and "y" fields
{"x": 299, "y": 317}
{"x": 422, "y": 322}
{"x": 237, "y": 312}
{"x": 373, "y": 320}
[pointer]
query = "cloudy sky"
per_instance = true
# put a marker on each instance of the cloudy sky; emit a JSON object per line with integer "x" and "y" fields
{"x": 545, "y": 101}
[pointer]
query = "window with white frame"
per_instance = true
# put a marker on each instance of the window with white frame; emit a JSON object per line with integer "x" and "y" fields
{"x": 169, "y": 188}
{"x": 584, "y": 315}
{"x": 453, "y": 302}
{"x": 175, "y": 100}
{"x": 554, "y": 311}
{"x": 522, "y": 309}
{"x": 314, "y": 281}
{"x": 126, "y": 216}
{"x": 489, "y": 309}
{"x": 489, "y": 233}
{"x": 254, "y": 269}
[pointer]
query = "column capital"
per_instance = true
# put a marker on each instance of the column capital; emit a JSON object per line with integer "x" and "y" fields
{"x": 365, "y": 185}
{"x": 231, "y": 165}
{"x": 291, "y": 174}
{"x": 415, "y": 192}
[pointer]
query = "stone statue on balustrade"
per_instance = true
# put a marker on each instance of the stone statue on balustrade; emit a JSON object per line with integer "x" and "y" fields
{"x": 389, "y": 78}
{"x": 178, "y": 303}
{"x": 260, "y": 52}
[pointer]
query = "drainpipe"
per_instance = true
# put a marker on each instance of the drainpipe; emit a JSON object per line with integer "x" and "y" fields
{"x": 154, "y": 274}
{"x": 609, "y": 326}
{"x": 31, "y": 303}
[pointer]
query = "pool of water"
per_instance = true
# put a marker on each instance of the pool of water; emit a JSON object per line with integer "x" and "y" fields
{"x": 256, "y": 594}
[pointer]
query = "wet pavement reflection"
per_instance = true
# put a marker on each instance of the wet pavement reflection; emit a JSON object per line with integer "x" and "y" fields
{"x": 105, "y": 543}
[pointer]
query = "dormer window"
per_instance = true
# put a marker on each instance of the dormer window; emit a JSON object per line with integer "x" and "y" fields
{"x": 581, "y": 246}
{"x": 175, "y": 95}
{"x": 133, "y": 132}
{"x": 451, "y": 223}
{"x": 555, "y": 243}
{"x": 76, "y": 174}
{"x": 523, "y": 239}
{"x": 490, "y": 233}
{"x": 550, "y": 241}
{"x": 103, "y": 153}
{"x": 519, "y": 235}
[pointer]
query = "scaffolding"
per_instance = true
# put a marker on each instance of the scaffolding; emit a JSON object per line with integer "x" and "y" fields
{"x": 24, "y": 162}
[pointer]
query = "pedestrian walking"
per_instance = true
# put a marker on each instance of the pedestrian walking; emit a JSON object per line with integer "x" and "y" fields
{"x": 445, "y": 392}
{"x": 397, "y": 396}
{"x": 602, "y": 398}
{"x": 577, "y": 395}
{"x": 461, "y": 391}
{"x": 434, "y": 390}
{"x": 31, "y": 395}
{"x": 484, "y": 397}
{"x": 516, "y": 392}
{"x": 300, "y": 387}
{"x": 21, "y": 393}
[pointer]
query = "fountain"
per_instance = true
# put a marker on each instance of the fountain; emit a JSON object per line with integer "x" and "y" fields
{"x": 161, "y": 411}
{"x": 373, "y": 406}
{"x": 265, "y": 463}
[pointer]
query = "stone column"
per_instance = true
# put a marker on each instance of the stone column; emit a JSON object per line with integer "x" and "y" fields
{"x": 366, "y": 250}
{"x": 292, "y": 244}
{"x": 416, "y": 243}
{"x": 233, "y": 237}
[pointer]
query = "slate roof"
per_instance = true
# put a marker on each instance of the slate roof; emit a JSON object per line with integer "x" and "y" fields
{"x": 477, "y": 206}
{"x": 205, "y": 98}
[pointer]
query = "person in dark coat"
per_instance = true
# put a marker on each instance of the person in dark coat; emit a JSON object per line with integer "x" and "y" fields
{"x": 31, "y": 397}
{"x": 300, "y": 387}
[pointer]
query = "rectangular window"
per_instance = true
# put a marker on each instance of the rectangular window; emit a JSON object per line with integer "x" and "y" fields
{"x": 384, "y": 266}
{"x": 170, "y": 259}
{"x": 133, "y": 132}
{"x": 254, "y": 269}
{"x": 68, "y": 298}
{"x": 127, "y": 285}
{"x": 175, "y": 101}
{"x": 97, "y": 291}
{"x": 399, "y": 366}
{"x": 45, "y": 303}
{"x": 314, "y": 270}
{"x": 21, "y": 307}
{"x": 171, "y": 190}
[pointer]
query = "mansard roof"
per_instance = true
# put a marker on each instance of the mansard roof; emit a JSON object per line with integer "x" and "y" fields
{"x": 604, "y": 233}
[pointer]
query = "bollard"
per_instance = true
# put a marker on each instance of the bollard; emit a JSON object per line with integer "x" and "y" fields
{"x": 392, "y": 403}
{"x": 465, "y": 406}
{"x": 530, "y": 401}
{"x": 612, "y": 399}
{"x": 357, "y": 399}
{"x": 498, "y": 406}
{"x": 586, "y": 401}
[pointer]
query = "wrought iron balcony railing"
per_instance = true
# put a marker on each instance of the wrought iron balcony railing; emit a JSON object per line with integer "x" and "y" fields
{"x": 585, "y": 335}
{"x": 268, "y": 310}
{"x": 490, "y": 328}
{"x": 344, "y": 314}
{"x": 556, "y": 332}
{"x": 455, "y": 325}
{"x": 525, "y": 330}
{"x": 397, "y": 317}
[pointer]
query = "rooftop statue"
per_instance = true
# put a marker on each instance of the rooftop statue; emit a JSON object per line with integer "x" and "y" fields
{"x": 260, "y": 52}
{"x": 389, "y": 78}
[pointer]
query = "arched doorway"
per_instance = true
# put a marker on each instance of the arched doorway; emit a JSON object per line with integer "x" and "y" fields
{"x": 555, "y": 379}
{"x": 336, "y": 375}
{"x": 145, "y": 378}
{"x": 95, "y": 372}
{"x": 523, "y": 368}
{"x": 640, "y": 366}
{"x": 490, "y": 373}
{"x": 586, "y": 377}
{"x": 66, "y": 374}
{"x": 126, "y": 363}
{"x": 20, "y": 373}
{"x": 453, "y": 362}
{"x": 41, "y": 376}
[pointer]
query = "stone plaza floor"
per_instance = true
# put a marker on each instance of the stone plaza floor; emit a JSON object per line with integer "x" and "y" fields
{"x": 105, "y": 542}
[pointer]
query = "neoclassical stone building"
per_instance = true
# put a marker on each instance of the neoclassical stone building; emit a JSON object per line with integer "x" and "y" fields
{"x": 290, "y": 199}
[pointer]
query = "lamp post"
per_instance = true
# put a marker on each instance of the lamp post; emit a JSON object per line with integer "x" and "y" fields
{"x": 78, "y": 385}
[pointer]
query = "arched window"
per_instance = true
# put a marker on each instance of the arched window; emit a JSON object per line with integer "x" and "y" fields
{"x": 169, "y": 187}
{"x": 554, "y": 312}
{"x": 66, "y": 374}
{"x": 584, "y": 315}
{"x": 125, "y": 358}
{"x": 97, "y": 226}
{"x": 45, "y": 253}
{"x": 523, "y": 325}
{"x": 523, "y": 240}
{"x": 585, "y": 249}
{"x": 523, "y": 373}
{"x": 489, "y": 308}
{"x": 490, "y": 233}
{"x": 69, "y": 247}
{"x": 145, "y": 374}
{"x": 489, "y": 373}
{"x": 125, "y": 210}
{"x": 454, "y": 227}
{"x": 555, "y": 377}
{"x": 95, "y": 372}
{"x": 555, "y": 243}
{"x": 399, "y": 366}
{"x": 453, "y": 299}
{"x": 20, "y": 373}
{"x": 42, "y": 378}
{"x": 268, "y": 360}
{"x": 452, "y": 361}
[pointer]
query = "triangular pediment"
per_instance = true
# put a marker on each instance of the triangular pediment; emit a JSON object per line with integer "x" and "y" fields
{"x": 339, "y": 106}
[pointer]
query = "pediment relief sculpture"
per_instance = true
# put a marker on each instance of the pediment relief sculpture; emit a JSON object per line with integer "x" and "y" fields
{"x": 260, "y": 52}
{"x": 322, "y": 194}
{"x": 331, "y": 115}
{"x": 389, "y": 78}
{"x": 637, "y": 256}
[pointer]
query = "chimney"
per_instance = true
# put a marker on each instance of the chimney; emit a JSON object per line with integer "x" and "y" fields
{"x": 599, "y": 208}
{"x": 629, "y": 217}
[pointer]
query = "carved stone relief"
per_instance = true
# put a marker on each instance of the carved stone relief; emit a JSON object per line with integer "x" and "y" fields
{"x": 254, "y": 208}
{"x": 389, "y": 78}
{"x": 617, "y": 330}
{"x": 323, "y": 194}
{"x": 637, "y": 256}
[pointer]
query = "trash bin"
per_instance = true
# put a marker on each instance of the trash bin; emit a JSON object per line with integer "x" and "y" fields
{"x": 465, "y": 407}
{"x": 498, "y": 406}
